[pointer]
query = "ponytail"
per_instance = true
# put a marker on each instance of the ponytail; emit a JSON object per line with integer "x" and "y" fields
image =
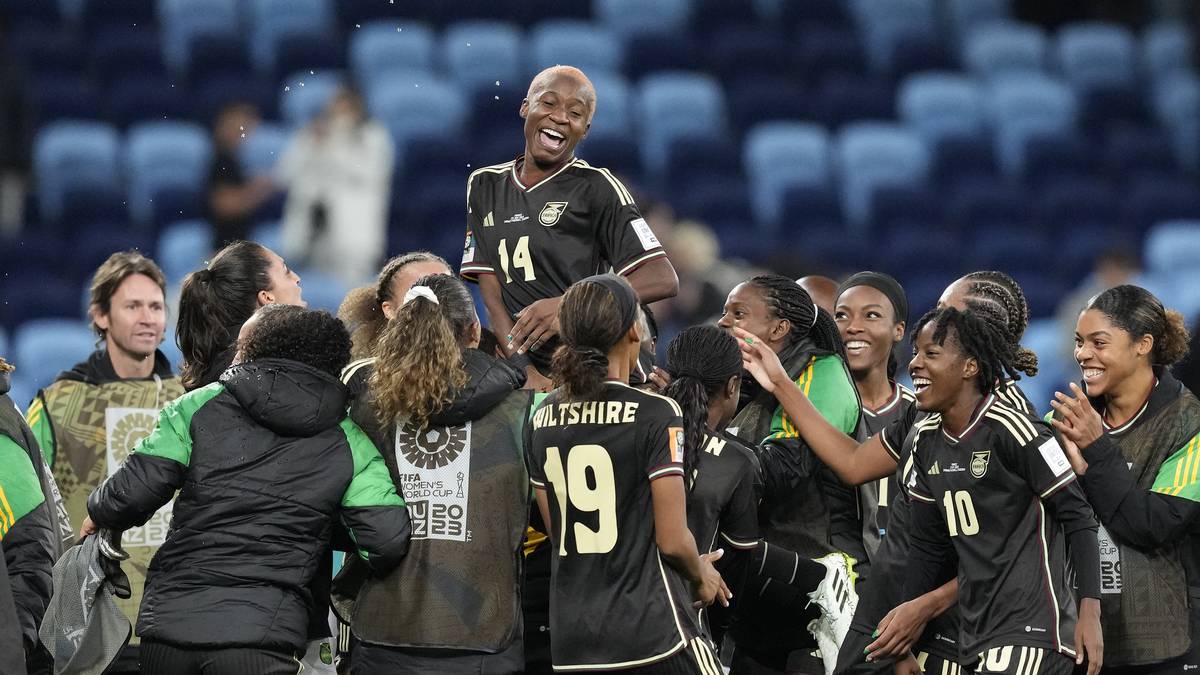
{"x": 593, "y": 316}
{"x": 419, "y": 364}
{"x": 700, "y": 360}
{"x": 1138, "y": 312}
{"x": 362, "y": 308}
{"x": 787, "y": 300}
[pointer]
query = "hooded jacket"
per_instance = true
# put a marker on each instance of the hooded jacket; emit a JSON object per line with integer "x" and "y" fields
{"x": 464, "y": 479}
{"x": 263, "y": 461}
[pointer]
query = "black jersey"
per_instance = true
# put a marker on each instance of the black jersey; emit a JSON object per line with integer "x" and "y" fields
{"x": 539, "y": 240}
{"x": 988, "y": 489}
{"x": 875, "y": 497}
{"x": 724, "y": 495}
{"x": 614, "y": 602}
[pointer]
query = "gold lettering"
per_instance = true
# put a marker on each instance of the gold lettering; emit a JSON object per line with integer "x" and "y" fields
{"x": 630, "y": 412}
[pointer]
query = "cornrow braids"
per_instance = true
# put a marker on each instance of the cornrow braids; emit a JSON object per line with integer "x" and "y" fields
{"x": 701, "y": 359}
{"x": 1004, "y": 290}
{"x": 787, "y": 300}
{"x": 979, "y": 336}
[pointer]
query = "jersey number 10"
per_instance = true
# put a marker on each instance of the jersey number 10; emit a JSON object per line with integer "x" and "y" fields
{"x": 572, "y": 486}
{"x": 520, "y": 259}
{"x": 960, "y": 513}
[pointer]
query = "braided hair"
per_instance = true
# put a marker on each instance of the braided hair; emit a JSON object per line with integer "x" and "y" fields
{"x": 1003, "y": 289}
{"x": 787, "y": 300}
{"x": 700, "y": 360}
{"x": 979, "y": 334}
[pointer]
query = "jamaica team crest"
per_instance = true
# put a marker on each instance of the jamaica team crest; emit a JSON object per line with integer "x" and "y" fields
{"x": 434, "y": 465}
{"x": 551, "y": 212}
{"x": 979, "y": 462}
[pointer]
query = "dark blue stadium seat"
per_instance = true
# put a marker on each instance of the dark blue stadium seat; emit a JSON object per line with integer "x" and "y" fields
{"x": 834, "y": 251}
{"x": 1132, "y": 151}
{"x": 1078, "y": 247}
{"x": 618, "y": 153}
{"x": 48, "y": 51}
{"x": 495, "y": 111}
{"x": 916, "y": 245}
{"x": 437, "y": 154}
{"x": 651, "y": 52}
{"x": 985, "y": 204}
{"x": 30, "y": 12}
{"x": 1052, "y": 156}
{"x": 175, "y": 203}
{"x": 87, "y": 206}
{"x": 739, "y": 52}
{"x": 1076, "y": 202}
{"x": 817, "y": 14}
{"x": 99, "y": 16}
{"x": 900, "y": 207}
{"x": 840, "y": 99}
{"x": 211, "y": 93}
{"x": 916, "y": 51}
{"x": 1013, "y": 248}
{"x": 810, "y": 207}
{"x": 958, "y": 160}
{"x": 1103, "y": 108}
{"x": 307, "y": 51}
{"x": 1150, "y": 200}
{"x": 709, "y": 16}
{"x": 821, "y": 52}
{"x": 716, "y": 200}
{"x": 1044, "y": 290}
{"x": 36, "y": 296}
{"x": 93, "y": 246}
{"x": 774, "y": 99}
{"x": 66, "y": 97}
{"x": 706, "y": 159}
{"x": 135, "y": 99}
{"x": 216, "y": 56}
{"x": 126, "y": 52}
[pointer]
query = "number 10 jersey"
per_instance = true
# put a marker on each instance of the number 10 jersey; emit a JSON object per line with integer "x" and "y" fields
{"x": 615, "y": 603}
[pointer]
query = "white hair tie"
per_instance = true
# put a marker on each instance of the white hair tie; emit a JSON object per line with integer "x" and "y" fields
{"x": 816, "y": 315}
{"x": 422, "y": 292}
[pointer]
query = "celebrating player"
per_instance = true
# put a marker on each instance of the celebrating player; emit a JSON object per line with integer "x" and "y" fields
{"x": 545, "y": 220}
{"x": 1133, "y": 440}
{"x": 606, "y": 463}
{"x": 367, "y": 310}
{"x": 992, "y": 486}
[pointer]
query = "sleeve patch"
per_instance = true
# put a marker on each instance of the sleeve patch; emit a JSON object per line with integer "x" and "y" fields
{"x": 1052, "y": 454}
{"x": 644, "y": 234}
{"x": 676, "y": 437}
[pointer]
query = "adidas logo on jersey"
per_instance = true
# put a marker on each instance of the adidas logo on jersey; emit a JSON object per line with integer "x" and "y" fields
{"x": 934, "y": 470}
{"x": 487, "y": 220}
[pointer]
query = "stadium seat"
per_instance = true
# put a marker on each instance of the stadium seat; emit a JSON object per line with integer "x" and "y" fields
{"x": 672, "y": 105}
{"x": 966, "y": 15}
{"x": 648, "y": 53}
{"x": 614, "y": 114}
{"x": 778, "y": 155}
{"x": 1095, "y": 54}
{"x": 262, "y": 149}
{"x": 739, "y": 52}
{"x": 96, "y": 17}
{"x": 118, "y": 54}
{"x": 182, "y": 248}
{"x": 45, "y": 347}
{"x": 618, "y": 153}
{"x": 1075, "y": 202}
{"x": 38, "y": 296}
{"x": 1173, "y": 246}
{"x": 1057, "y": 155}
{"x": 161, "y": 155}
{"x": 592, "y": 49}
{"x": 91, "y": 247}
{"x": 495, "y": 113}
{"x": 88, "y": 206}
{"x": 629, "y": 17}
{"x": 1004, "y": 48}
{"x": 1166, "y": 49}
{"x": 436, "y": 155}
{"x": 1026, "y": 107}
{"x": 480, "y": 53}
{"x": 908, "y": 246}
{"x": 65, "y": 98}
{"x": 135, "y": 98}
{"x": 987, "y": 204}
{"x": 185, "y": 20}
{"x": 882, "y": 25}
{"x": 959, "y": 159}
{"x": 381, "y": 47}
{"x": 821, "y": 51}
{"x": 776, "y": 99}
{"x": 1177, "y": 107}
{"x": 306, "y": 50}
{"x": 1149, "y": 200}
{"x": 271, "y": 21}
{"x": 870, "y": 155}
{"x": 307, "y": 94}
{"x": 899, "y": 207}
{"x": 940, "y": 105}
{"x": 808, "y": 208}
{"x": 841, "y": 98}
{"x": 693, "y": 160}
{"x": 828, "y": 14}
{"x": 1013, "y": 248}
{"x": 73, "y": 154}
{"x": 414, "y": 104}
{"x": 1139, "y": 151}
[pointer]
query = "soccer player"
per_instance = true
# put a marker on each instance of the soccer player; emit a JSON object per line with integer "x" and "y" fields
{"x": 606, "y": 464}
{"x": 545, "y": 220}
{"x": 721, "y": 473}
{"x": 1133, "y": 439}
{"x": 451, "y": 419}
{"x": 87, "y": 421}
{"x": 992, "y": 486}
{"x": 214, "y": 303}
{"x": 366, "y": 310}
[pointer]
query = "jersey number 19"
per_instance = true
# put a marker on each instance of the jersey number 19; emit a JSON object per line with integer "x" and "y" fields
{"x": 572, "y": 486}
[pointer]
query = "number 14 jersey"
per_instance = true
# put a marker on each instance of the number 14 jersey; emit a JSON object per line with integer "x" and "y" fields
{"x": 614, "y": 601}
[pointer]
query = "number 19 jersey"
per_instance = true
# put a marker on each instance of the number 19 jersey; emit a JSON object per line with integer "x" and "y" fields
{"x": 615, "y": 603}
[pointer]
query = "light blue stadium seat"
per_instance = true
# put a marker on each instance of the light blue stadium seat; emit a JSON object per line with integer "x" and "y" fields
{"x": 183, "y": 247}
{"x": 306, "y": 94}
{"x": 883, "y": 24}
{"x": 262, "y": 149}
{"x": 1177, "y": 107}
{"x": 44, "y": 347}
{"x": 582, "y": 44}
{"x": 941, "y": 105}
{"x": 632, "y": 17}
{"x": 321, "y": 291}
{"x": 1056, "y": 370}
{"x": 162, "y": 155}
{"x": 966, "y": 15}
{"x": 672, "y": 105}
{"x": 1005, "y": 48}
{"x": 74, "y": 154}
{"x": 1173, "y": 246}
{"x": 380, "y": 47}
{"x": 184, "y": 20}
{"x": 1025, "y": 107}
{"x": 1095, "y": 54}
{"x": 480, "y": 53}
{"x": 269, "y": 234}
{"x": 22, "y": 391}
{"x": 779, "y": 155}
{"x": 871, "y": 155}
{"x": 273, "y": 20}
{"x": 1167, "y": 49}
{"x": 170, "y": 348}
{"x": 613, "y": 106}
{"x": 415, "y": 103}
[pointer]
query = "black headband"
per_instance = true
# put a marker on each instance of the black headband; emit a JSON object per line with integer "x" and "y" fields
{"x": 883, "y": 283}
{"x": 622, "y": 292}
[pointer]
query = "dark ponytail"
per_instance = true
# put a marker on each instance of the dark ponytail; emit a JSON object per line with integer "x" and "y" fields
{"x": 700, "y": 360}
{"x": 214, "y": 303}
{"x": 595, "y": 313}
{"x": 787, "y": 300}
{"x": 1003, "y": 289}
{"x": 1138, "y": 312}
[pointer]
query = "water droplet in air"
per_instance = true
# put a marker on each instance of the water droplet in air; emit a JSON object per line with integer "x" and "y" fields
{"x": 311, "y": 72}
{"x": 358, "y": 25}
{"x": 497, "y": 83}
{"x": 287, "y": 88}
{"x": 496, "y": 97}
{"x": 301, "y": 84}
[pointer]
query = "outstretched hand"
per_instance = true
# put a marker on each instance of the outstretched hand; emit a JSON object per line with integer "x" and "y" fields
{"x": 760, "y": 360}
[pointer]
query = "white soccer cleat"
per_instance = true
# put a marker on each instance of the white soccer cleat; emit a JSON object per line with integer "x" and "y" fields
{"x": 837, "y": 599}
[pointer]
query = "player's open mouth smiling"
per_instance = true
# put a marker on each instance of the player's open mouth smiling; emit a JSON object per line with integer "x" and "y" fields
{"x": 551, "y": 139}
{"x": 1091, "y": 374}
{"x": 920, "y": 384}
{"x": 857, "y": 347}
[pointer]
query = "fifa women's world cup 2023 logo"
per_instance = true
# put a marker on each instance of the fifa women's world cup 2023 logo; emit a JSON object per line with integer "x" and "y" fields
{"x": 125, "y": 429}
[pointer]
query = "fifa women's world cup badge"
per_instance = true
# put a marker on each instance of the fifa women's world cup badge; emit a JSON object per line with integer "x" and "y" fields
{"x": 125, "y": 428}
{"x": 434, "y": 466}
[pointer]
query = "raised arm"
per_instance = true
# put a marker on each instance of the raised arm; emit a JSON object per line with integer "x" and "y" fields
{"x": 654, "y": 280}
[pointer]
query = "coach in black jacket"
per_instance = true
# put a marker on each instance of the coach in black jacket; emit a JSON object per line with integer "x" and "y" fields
{"x": 264, "y": 460}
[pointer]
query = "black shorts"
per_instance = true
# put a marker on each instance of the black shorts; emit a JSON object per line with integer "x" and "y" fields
{"x": 162, "y": 659}
{"x": 853, "y": 661}
{"x": 1021, "y": 660}
{"x": 697, "y": 658}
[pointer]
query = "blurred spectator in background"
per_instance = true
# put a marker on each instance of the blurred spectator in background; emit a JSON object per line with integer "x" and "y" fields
{"x": 15, "y": 133}
{"x": 824, "y": 291}
{"x": 338, "y": 173}
{"x": 1111, "y": 268}
{"x": 704, "y": 278}
{"x": 232, "y": 196}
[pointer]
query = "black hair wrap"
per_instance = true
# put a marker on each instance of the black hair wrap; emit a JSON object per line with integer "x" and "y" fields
{"x": 883, "y": 283}
{"x": 622, "y": 292}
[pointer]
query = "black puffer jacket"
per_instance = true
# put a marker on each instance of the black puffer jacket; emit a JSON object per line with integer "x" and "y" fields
{"x": 263, "y": 460}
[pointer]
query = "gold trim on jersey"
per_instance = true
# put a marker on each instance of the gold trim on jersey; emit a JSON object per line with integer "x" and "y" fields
{"x": 355, "y": 366}
{"x": 495, "y": 168}
{"x": 517, "y": 179}
{"x": 1043, "y": 524}
{"x": 1017, "y": 424}
{"x": 639, "y": 260}
{"x": 622, "y": 192}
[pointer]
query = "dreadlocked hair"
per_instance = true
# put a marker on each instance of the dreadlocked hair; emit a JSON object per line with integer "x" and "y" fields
{"x": 5, "y": 366}
{"x": 590, "y": 326}
{"x": 701, "y": 359}
{"x": 419, "y": 362}
{"x": 362, "y": 309}
{"x": 787, "y": 300}
{"x": 1003, "y": 289}
{"x": 978, "y": 336}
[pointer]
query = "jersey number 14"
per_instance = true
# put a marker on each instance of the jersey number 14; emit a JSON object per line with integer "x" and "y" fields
{"x": 520, "y": 259}
{"x": 572, "y": 486}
